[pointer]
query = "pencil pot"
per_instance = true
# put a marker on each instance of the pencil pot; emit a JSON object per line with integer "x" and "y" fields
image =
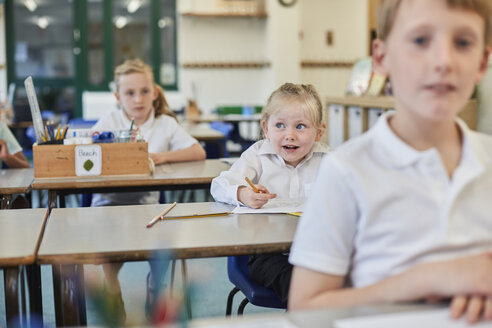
{"x": 124, "y": 136}
{"x": 103, "y": 159}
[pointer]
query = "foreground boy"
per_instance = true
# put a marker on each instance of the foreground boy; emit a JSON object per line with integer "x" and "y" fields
{"x": 404, "y": 210}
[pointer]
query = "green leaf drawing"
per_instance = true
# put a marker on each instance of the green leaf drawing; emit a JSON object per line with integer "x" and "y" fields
{"x": 88, "y": 165}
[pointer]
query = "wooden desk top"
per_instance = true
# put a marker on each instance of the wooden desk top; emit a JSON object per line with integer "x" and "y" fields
{"x": 15, "y": 181}
{"x": 310, "y": 318}
{"x": 229, "y": 118}
{"x": 203, "y": 132}
{"x": 183, "y": 173}
{"x": 19, "y": 235}
{"x": 119, "y": 233}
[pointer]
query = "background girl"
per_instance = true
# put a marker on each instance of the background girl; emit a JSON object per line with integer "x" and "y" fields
{"x": 142, "y": 101}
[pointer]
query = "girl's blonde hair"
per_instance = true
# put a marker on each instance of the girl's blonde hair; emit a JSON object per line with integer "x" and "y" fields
{"x": 388, "y": 8}
{"x": 305, "y": 94}
{"x": 131, "y": 66}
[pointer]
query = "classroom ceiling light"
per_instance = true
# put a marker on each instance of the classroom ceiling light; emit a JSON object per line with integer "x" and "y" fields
{"x": 133, "y": 5}
{"x": 120, "y": 21}
{"x": 42, "y": 22}
{"x": 31, "y": 5}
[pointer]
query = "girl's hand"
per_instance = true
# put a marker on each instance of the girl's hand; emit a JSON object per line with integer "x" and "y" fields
{"x": 158, "y": 158}
{"x": 474, "y": 307}
{"x": 248, "y": 197}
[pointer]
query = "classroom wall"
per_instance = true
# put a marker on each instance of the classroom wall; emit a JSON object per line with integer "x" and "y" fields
{"x": 286, "y": 37}
{"x": 222, "y": 39}
{"x": 348, "y": 22}
{"x": 274, "y": 40}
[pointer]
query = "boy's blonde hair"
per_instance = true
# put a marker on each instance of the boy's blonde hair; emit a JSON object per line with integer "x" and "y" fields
{"x": 388, "y": 8}
{"x": 305, "y": 94}
{"x": 131, "y": 66}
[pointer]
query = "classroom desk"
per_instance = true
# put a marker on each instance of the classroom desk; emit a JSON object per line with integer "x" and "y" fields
{"x": 71, "y": 237}
{"x": 20, "y": 236}
{"x": 204, "y": 133}
{"x": 309, "y": 318}
{"x": 172, "y": 176}
{"x": 234, "y": 119}
{"x": 229, "y": 118}
{"x": 14, "y": 181}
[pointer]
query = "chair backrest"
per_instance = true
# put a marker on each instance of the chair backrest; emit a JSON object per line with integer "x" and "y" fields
{"x": 239, "y": 275}
{"x": 238, "y": 265}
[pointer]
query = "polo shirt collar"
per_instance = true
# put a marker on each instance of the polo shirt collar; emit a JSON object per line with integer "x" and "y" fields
{"x": 147, "y": 123}
{"x": 401, "y": 154}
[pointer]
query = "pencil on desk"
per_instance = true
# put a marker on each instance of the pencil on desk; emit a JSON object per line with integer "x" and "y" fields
{"x": 160, "y": 216}
{"x": 251, "y": 185}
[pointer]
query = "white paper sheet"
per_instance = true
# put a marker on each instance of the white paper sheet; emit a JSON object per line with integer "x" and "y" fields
{"x": 420, "y": 319}
{"x": 276, "y": 205}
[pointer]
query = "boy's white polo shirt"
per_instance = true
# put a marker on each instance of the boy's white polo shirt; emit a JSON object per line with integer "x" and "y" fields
{"x": 379, "y": 207}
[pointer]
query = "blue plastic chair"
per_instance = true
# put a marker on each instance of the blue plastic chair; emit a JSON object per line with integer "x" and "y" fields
{"x": 256, "y": 294}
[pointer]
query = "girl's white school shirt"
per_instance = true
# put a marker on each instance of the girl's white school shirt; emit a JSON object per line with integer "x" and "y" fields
{"x": 263, "y": 166}
{"x": 380, "y": 207}
{"x": 162, "y": 133}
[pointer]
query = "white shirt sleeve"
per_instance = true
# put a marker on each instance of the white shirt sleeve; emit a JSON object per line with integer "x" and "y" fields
{"x": 224, "y": 187}
{"x": 324, "y": 239}
{"x": 180, "y": 139}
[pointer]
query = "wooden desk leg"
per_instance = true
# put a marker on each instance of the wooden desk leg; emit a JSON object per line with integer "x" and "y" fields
{"x": 185, "y": 285}
{"x": 6, "y": 200}
{"x": 69, "y": 296}
{"x": 52, "y": 199}
{"x": 12, "y": 285}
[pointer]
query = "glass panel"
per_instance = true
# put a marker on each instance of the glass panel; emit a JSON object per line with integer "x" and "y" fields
{"x": 167, "y": 27}
{"x": 96, "y": 42}
{"x": 43, "y": 38}
{"x": 132, "y": 32}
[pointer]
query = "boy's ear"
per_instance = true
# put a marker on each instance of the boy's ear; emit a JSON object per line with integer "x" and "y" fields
{"x": 117, "y": 96}
{"x": 321, "y": 131}
{"x": 264, "y": 127}
{"x": 484, "y": 64}
{"x": 379, "y": 57}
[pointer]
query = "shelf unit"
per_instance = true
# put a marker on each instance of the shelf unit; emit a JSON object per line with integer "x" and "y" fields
{"x": 468, "y": 114}
{"x": 227, "y": 65}
{"x": 327, "y": 64}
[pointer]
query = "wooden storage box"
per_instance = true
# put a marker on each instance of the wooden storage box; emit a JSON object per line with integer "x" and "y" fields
{"x": 115, "y": 159}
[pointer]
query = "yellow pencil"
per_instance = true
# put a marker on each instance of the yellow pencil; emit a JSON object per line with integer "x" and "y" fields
{"x": 62, "y": 136}
{"x": 251, "y": 185}
{"x": 161, "y": 216}
{"x": 58, "y": 132}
